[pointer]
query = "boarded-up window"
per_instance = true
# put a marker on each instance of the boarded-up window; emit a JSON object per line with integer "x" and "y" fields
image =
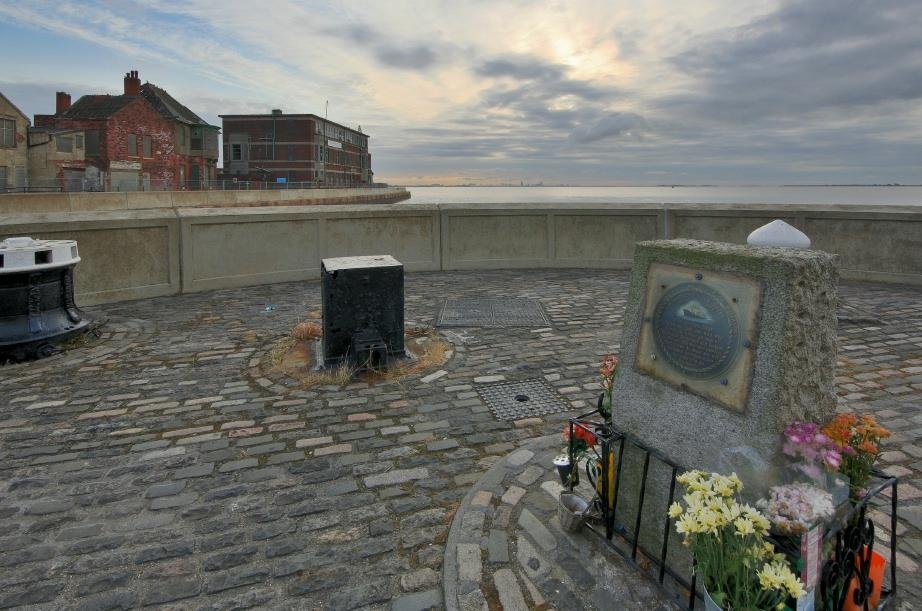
{"x": 196, "y": 139}
{"x": 132, "y": 145}
{"x": 7, "y": 133}
{"x": 78, "y": 141}
{"x": 92, "y": 143}
{"x": 65, "y": 144}
{"x": 2, "y": 178}
{"x": 147, "y": 147}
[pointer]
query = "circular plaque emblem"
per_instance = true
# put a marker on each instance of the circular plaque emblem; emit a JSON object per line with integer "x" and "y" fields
{"x": 696, "y": 330}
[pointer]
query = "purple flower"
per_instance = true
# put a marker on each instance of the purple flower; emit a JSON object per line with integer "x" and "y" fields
{"x": 805, "y": 440}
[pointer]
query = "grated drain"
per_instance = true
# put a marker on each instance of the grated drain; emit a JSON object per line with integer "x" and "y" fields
{"x": 525, "y": 399}
{"x": 492, "y": 313}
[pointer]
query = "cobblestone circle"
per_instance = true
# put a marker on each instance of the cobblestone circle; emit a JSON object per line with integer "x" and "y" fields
{"x": 158, "y": 465}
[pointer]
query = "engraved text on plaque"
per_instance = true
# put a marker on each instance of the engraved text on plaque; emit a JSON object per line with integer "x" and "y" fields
{"x": 699, "y": 331}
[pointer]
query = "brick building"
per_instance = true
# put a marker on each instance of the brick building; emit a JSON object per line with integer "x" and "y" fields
{"x": 142, "y": 139}
{"x": 14, "y": 153}
{"x": 57, "y": 160}
{"x": 301, "y": 148}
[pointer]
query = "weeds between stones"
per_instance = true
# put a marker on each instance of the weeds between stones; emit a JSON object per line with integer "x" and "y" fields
{"x": 296, "y": 356}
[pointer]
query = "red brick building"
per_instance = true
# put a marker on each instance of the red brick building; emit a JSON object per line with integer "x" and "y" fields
{"x": 142, "y": 139}
{"x": 301, "y": 148}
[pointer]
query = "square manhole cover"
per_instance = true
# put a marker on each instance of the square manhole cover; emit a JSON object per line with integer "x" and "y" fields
{"x": 517, "y": 400}
{"x": 492, "y": 313}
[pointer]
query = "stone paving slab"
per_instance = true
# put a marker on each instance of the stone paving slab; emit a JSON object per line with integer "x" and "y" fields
{"x": 164, "y": 462}
{"x": 517, "y": 556}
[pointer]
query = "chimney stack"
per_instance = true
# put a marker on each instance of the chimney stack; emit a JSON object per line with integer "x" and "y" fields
{"x": 132, "y": 83}
{"x": 61, "y": 102}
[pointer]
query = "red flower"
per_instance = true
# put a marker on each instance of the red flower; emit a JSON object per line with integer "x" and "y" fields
{"x": 580, "y": 435}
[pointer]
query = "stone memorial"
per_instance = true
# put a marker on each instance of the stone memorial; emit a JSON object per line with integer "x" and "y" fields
{"x": 724, "y": 345}
{"x": 362, "y": 302}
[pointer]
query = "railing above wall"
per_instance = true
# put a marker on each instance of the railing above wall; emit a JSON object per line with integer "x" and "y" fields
{"x": 172, "y": 248}
{"x": 33, "y": 203}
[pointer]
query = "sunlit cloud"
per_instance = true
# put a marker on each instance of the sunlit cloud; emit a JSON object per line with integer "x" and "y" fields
{"x": 566, "y": 91}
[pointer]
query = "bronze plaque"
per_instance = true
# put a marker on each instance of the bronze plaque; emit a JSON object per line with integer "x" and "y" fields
{"x": 699, "y": 331}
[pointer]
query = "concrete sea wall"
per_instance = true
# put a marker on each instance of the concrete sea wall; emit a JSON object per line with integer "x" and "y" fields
{"x": 133, "y": 253}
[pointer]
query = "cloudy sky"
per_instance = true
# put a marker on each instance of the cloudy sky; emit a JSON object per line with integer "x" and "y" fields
{"x": 579, "y": 92}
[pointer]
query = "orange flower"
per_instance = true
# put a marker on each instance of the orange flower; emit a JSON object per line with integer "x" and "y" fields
{"x": 867, "y": 446}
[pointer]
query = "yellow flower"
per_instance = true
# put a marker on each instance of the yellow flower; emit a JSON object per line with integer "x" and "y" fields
{"x": 743, "y": 527}
{"x": 736, "y": 481}
{"x": 686, "y": 524}
{"x": 723, "y": 486}
{"x": 689, "y": 476}
{"x": 769, "y": 578}
{"x": 675, "y": 510}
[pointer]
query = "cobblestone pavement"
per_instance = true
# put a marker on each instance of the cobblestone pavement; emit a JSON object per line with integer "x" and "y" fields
{"x": 529, "y": 560}
{"x": 163, "y": 464}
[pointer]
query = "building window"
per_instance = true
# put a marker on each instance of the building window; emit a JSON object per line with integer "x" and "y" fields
{"x": 2, "y": 178}
{"x": 236, "y": 152}
{"x": 132, "y": 145}
{"x": 147, "y": 147}
{"x": 64, "y": 144}
{"x": 92, "y": 143}
{"x": 196, "y": 139}
{"x": 182, "y": 135}
{"x": 7, "y": 134}
{"x": 78, "y": 141}
{"x": 291, "y": 152}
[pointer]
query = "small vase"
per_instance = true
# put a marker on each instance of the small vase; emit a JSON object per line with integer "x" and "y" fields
{"x": 709, "y": 604}
{"x": 876, "y": 579}
{"x": 837, "y": 485}
{"x": 565, "y": 470}
{"x": 571, "y": 511}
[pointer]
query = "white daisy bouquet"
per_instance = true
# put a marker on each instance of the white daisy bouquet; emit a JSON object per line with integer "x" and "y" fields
{"x": 794, "y": 508}
{"x": 738, "y": 566}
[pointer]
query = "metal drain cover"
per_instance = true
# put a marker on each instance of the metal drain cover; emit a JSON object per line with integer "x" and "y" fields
{"x": 492, "y": 313}
{"x": 525, "y": 399}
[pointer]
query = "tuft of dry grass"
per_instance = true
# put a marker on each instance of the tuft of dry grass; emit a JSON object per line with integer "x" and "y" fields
{"x": 340, "y": 376}
{"x": 431, "y": 355}
{"x": 280, "y": 350}
{"x": 292, "y": 357}
{"x": 306, "y": 331}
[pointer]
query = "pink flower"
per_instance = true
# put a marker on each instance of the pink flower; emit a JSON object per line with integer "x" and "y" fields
{"x": 806, "y": 440}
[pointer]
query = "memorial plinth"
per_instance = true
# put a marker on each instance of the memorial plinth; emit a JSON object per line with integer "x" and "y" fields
{"x": 724, "y": 346}
{"x": 362, "y": 301}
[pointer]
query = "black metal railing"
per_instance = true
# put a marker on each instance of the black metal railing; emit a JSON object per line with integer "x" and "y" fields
{"x": 850, "y": 537}
{"x": 605, "y": 501}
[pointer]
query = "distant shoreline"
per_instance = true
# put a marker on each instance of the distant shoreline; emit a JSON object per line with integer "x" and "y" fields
{"x": 664, "y": 186}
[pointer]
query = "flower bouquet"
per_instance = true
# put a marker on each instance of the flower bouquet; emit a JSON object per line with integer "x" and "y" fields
{"x": 816, "y": 457}
{"x": 858, "y": 440}
{"x": 608, "y": 369}
{"x": 576, "y": 448}
{"x": 737, "y": 565}
{"x": 793, "y": 509}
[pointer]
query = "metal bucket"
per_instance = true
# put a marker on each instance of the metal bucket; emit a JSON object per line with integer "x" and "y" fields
{"x": 571, "y": 509}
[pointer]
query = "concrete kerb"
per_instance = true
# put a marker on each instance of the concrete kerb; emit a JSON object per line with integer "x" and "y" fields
{"x": 493, "y": 475}
{"x": 506, "y": 544}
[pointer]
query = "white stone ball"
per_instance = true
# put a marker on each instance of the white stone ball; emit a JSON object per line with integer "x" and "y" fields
{"x": 778, "y": 233}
